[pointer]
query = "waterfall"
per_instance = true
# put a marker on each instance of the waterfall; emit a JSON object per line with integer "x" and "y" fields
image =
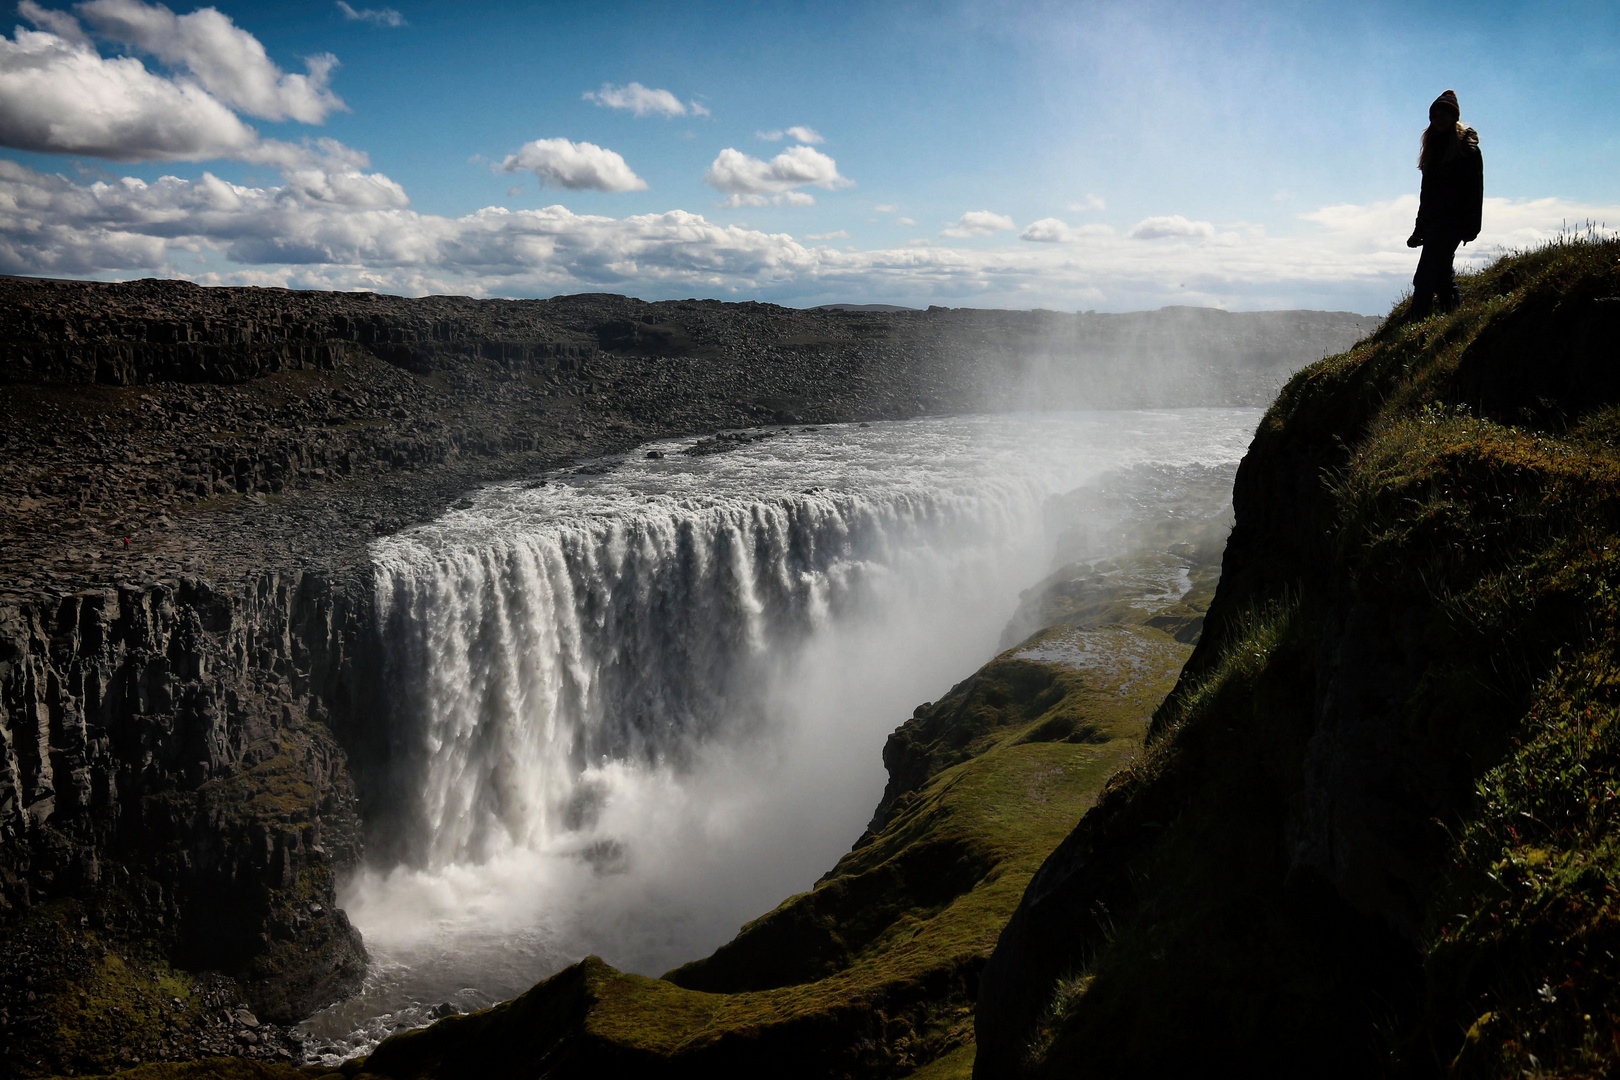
{"x": 517, "y": 662}
{"x": 635, "y": 704}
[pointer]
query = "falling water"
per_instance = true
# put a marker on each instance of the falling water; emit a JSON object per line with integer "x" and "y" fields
{"x": 639, "y": 703}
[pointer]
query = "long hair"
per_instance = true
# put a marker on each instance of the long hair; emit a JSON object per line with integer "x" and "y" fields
{"x": 1441, "y": 143}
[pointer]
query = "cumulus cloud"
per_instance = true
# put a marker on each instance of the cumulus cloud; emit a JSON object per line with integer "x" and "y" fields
{"x": 59, "y": 23}
{"x": 376, "y": 16}
{"x": 1057, "y": 231}
{"x": 1173, "y": 225}
{"x": 58, "y": 94}
{"x": 576, "y": 166}
{"x": 979, "y": 223}
{"x": 840, "y": 234}
{"x": 52, "y": 225}
{"x": 643, "y": 101}
{"x": 227, "y": 61}
{"x": 341, "y": 227}
{"x": 752, "y": 182}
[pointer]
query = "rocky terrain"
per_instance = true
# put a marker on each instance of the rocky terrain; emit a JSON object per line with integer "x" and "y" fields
{"x": 191, "y": 478}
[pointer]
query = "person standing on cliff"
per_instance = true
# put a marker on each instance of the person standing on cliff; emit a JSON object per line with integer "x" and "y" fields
{"x": 1450, "y": 205}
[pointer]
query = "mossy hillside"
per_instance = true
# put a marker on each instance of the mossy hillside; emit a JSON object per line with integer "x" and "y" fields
{"x": 874, "y": 971}
{"x": 1375, "y": 827}
{"x": 86, "y": 1001}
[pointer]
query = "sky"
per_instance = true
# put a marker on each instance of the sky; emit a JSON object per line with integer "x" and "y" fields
{"x": 1073, "y": 156}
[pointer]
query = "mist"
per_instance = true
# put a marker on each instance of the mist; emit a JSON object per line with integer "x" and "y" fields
{"x": 640, "y": 704}
{"x": 1175, "y": 357}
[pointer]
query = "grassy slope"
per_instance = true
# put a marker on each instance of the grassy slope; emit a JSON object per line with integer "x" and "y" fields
{"x": 1444, "y": 499}
{"x": 874, "y": 971}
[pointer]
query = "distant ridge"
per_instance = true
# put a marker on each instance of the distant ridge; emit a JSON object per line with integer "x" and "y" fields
{"x": 863, "y": 307}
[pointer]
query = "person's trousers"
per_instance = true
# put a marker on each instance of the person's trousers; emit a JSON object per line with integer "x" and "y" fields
{"x": 1434, "y": 277}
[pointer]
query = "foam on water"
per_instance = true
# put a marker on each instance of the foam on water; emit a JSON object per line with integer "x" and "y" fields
{"x": 640, "y": 703}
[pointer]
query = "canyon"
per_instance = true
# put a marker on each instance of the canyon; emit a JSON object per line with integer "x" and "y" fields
{"x": 195, "y": 735}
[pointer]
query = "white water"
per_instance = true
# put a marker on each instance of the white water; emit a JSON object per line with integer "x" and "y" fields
{"x": 640, "y": 704}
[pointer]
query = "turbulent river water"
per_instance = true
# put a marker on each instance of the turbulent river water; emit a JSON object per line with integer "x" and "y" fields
{"x": 638, "y": 703}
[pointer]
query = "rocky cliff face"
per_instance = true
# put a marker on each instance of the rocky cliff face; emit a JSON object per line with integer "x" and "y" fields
{"x": 169, "y": 773}
{"x": 1374, "y": 828}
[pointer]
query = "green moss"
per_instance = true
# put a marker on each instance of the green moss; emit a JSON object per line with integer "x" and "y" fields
{"x": 956, "y": 1065}
{"x": 92, "y": 1001}
{"x": 1469, "y": 498}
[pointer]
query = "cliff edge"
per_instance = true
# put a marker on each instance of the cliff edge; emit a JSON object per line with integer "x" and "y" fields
{"x": 1375, "y": 830}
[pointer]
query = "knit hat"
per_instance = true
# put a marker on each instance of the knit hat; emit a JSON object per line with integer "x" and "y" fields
{"x": 1449, "y": 100}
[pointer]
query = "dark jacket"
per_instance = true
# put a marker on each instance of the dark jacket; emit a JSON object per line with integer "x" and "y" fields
{"x": 1453, "y": 191}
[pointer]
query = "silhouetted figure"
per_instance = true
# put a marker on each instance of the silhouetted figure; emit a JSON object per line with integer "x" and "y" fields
{"x": 1449, "y": 208}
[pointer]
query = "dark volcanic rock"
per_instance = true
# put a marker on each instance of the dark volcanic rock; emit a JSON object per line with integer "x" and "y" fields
{"x": 170, "y": 774}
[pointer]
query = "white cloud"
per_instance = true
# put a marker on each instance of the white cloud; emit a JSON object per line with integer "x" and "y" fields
{"x": 904, "y": 221}
{"x": 885, "y": 208}
{"x": 1086, "y": 205}
{"x": 340, "y": 227}
{"x": 979, "y": 223}
{"x": 376, "y": 16}
{"x": 1056, "y": 231}
{"x": 1173, "y": 225}
{"x": 226, "y": 61}
{"x": 784, "y": 198}
{"x": 576, "y": 166}
{"x": 797, "y": 133}
{"x": 642, "y": 101}
{"x": 752, "y": 182}
{"x": 841, "y": 234}
{"x": 59, "y": 96}
{"x": 59, "y": 23}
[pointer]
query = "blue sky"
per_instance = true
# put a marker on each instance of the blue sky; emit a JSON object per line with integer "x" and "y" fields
{"x": 1109, "y": 156}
